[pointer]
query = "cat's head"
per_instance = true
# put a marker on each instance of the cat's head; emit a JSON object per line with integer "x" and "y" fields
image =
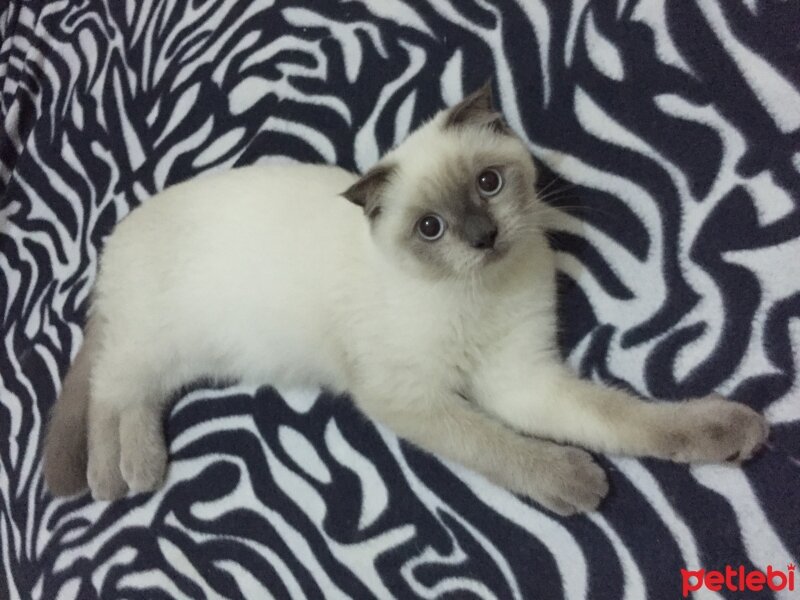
{"x": 456, "y": 197}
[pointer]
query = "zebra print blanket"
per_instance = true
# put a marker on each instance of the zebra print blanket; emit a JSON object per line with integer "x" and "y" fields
{"x": 677, "y": 128}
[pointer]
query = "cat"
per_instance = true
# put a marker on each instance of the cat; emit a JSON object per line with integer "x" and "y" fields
{"x": 425, "y": 289}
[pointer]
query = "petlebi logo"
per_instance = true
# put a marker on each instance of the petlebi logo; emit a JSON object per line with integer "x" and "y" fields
{"x": 738, "y": 579}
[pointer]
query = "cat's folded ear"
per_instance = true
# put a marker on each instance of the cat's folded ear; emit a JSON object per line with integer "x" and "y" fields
{"x": 477, "y": 110}
{"x": 368, "y": 191}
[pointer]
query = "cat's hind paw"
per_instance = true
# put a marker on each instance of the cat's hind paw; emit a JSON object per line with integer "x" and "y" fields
{"x": 143, "y": 452}
{"x": 104, "y": 478}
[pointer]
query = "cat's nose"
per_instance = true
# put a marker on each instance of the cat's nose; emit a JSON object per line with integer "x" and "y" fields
{"x": 485, "y": 241}
{"x": 480, "y": 231}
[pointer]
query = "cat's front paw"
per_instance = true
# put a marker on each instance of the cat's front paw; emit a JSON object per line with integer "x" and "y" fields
{"x": 716, "y": 430}
{"x": 571, "y": 482}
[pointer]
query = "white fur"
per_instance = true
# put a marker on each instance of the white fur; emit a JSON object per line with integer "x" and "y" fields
{"x": 266, "y": 274}
{"x": 269, "y": 275}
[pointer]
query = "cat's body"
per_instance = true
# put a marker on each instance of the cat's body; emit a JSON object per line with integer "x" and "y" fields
{"x": 214, "y": 293}
{"x": 267, "y": 275}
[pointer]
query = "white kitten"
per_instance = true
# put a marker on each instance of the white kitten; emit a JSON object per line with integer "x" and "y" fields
{"x": 434, "y": 306}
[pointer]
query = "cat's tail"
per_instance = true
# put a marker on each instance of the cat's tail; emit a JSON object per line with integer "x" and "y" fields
{"x": 65, "y": 446}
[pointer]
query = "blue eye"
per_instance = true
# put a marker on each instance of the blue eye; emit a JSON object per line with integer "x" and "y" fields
{"x": 431, "y": 227}
{"x": 490, "y": 182}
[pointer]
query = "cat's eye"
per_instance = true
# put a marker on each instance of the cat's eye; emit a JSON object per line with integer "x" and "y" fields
{"x": 490, "y": 182}
{"x": 431, "y": 227}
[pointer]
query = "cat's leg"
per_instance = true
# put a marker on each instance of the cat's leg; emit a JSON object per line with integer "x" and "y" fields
{"x": 143, "y": 451}
{"x": 564, "y": 479}
{"x": 549, "y": 401}
{"x": 102, "y": 471}
{"x": 126, "y": 445}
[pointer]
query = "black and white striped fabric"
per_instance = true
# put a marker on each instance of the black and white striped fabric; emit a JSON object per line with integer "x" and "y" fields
{"x": 677, "y": 126}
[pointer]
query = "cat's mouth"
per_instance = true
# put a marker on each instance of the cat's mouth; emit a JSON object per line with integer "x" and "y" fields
{"x": 494, "y": 254}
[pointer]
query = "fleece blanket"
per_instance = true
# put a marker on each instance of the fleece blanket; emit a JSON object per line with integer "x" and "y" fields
{"x": 667, "y": 134}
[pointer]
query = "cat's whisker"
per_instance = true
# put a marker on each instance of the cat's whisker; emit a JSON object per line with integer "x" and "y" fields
{"x": 566, "y": 208}
{"x": 544, "y": 196}
{"x": 548, "y": 185}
